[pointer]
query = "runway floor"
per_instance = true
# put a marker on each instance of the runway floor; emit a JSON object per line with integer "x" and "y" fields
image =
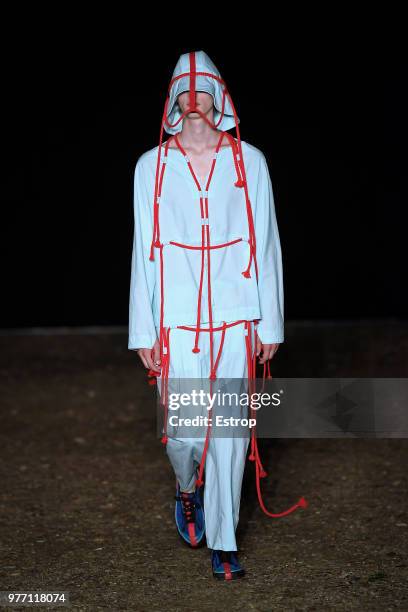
{"x": 86, "y": 498}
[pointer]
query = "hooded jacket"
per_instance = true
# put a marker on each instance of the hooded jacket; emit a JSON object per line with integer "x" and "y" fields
{"x": 165, "y": 290}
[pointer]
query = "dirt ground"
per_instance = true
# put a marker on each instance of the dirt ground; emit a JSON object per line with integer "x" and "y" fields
{"x": 86, "y": 500}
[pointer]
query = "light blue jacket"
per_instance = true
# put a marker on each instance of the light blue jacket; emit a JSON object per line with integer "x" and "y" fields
{"x": 233, "y": 296}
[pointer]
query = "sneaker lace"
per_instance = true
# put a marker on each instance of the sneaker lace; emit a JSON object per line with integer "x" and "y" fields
{"x": 188, "y": 505}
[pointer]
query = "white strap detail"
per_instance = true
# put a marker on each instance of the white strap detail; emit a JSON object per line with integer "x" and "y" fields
{"x": 164, "y": 350}
{"x": 204, "y": 194}
{"x": 215, "y": 154}
{"x": 163, "y": 158}
{"x": 205, "y": 221}
{"x": 246, "y": 331}
{"x": 238, "y": 157}
{"x": 158, "y": 199}
{"x": 186, "y": 157}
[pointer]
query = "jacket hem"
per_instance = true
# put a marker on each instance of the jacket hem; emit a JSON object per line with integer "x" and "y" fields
{"x": 226, "y": 314}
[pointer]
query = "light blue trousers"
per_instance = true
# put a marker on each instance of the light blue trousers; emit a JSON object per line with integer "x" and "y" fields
{"x": 225, "y": 460}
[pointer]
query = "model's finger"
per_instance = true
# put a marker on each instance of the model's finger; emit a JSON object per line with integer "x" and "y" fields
{"x": 143, "y": 359}
{"x": 156, "y": 354}
{"x": 258, "y": 346}
{"x": 263, "y": 356}
{"x": 150, "y": 361}
{"x": 275, "y": 348}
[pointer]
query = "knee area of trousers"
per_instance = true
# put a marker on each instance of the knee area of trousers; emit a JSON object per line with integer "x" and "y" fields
{"x": 180, "y": 445}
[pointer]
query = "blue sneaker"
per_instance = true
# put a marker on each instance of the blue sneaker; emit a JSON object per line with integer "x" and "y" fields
{"x": 189, "y": 515}
{"x": 225, "y": 565}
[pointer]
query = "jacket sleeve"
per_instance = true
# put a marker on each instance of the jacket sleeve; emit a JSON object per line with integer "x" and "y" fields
{"x": 142, "y": 331}
{"x": 269, "y": 258}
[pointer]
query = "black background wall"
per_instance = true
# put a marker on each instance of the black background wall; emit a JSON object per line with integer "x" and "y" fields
{"x": 331, "y": 121}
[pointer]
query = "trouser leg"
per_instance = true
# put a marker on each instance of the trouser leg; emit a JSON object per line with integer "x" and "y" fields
{"x": 225, "y": 464}
{"x": 184, "y": 455}
{"x": 224, "y": 470}
{"x": 225, "y": 461}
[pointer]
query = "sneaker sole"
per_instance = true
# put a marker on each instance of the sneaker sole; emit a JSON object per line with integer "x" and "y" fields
{"x": 234, "y": 575}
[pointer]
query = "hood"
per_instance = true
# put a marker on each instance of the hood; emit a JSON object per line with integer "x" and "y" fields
{"x": 223, "y": 121}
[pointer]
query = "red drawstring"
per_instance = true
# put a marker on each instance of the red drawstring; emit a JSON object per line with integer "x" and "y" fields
{"x": 213, "y": 373}
{"x": 196, "y": 348}
{"x": 254, "y": 455}
{"x": 240, "y": 182}
{"x": 190, "y": 109}
{"x": 165, "y": 379}
{"x": 211, "y": 329}
{"x": 207, "y": 329}
{"x": 251, "y": 377}
{"x": 213, "y": 246}
{"x": 157, "y": 194}
{"x": 199, "y": 480}
{"x": 252, "y": 239}
{"x": 192, "y": 79}
{"x": 205, "y": 238}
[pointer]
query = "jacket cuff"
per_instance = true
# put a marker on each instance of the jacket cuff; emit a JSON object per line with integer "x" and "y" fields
{"x": 270, "y": 336}
{"x": 137, "y": 341}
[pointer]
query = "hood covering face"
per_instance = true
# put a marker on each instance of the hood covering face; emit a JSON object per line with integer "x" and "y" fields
{"x": 193, "y": 81}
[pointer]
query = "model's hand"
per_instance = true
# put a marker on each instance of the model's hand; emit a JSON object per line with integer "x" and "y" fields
{"x": 267, "y": 350}
{"x": 151, "y": 357}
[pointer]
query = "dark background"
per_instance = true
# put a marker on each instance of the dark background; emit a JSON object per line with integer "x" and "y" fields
{"x": 331, "y": 122}
{"x": 325, "y": 99}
